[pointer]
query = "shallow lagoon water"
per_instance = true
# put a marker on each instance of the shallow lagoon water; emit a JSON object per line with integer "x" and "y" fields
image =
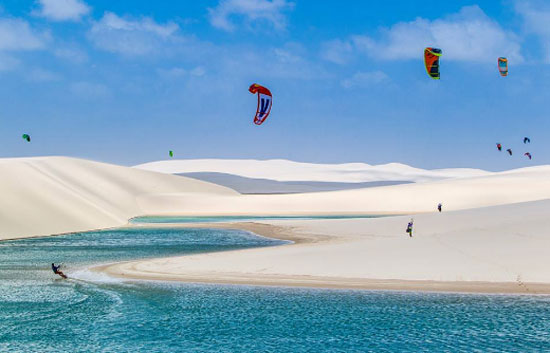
{"x": 41, "y": 313}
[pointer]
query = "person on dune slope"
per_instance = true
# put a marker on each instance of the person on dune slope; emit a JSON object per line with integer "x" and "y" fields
{"x": 410, "y": 228}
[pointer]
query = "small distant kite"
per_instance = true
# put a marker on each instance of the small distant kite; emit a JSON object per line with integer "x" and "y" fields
{"x": 431, "y": 61}
{"x": 499, "y": 146}
{"x": 171, "y": 153}
{"x": 26, "y": 137}
{"x": 265, "y": 100}
{"x": 528, "y": 155}
{"x": 509, "y": 151}
{"x": 526, "y": 140}
{"x": 503, "y": 66}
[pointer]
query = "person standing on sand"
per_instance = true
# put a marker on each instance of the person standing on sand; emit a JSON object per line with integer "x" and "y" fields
{"x": 439, "y": 207}
{"x": 410, "y": 228}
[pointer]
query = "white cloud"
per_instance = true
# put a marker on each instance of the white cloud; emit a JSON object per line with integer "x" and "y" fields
{"x": 172, "y": 73}
{"x": 285, "y": 62}
{"x": 469, "y": 35}
{"x": 337, "y": 51}
{"x": 16, "y": 34}
{"x": 130, "y": 36}
{"x": 74, "y": 55}
{"x": 90, "y": 90}
{"x": 362, "y": 79}
{"x": 62, "y": 10}
{"x": 198, "y": 71}
{"x": 8, "y": 63}
{"x": 251, "y": 10}
{"x": 286, "y": 56}
{"x": 41, "y": 75}
{"x": 536, "y": 20}
{"x": 179, "y": 72}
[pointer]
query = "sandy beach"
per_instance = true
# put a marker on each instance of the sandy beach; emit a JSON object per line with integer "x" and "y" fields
{"x": 495, "y": 250}
{"x": 491, "y": 236}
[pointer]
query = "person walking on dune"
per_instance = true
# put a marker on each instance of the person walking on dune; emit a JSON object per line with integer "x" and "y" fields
{"x": 410, "y": 228}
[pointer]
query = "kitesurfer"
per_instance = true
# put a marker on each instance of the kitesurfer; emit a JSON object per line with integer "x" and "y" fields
{"x": 439, "y": 206}
{"x": 57, "y": 271}
{"x": 410, "y": 228}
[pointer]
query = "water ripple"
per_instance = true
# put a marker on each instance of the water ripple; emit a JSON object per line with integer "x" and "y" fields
{"x": 93, "y": 312}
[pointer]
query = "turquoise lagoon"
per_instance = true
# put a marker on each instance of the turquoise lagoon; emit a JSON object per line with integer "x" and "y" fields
{"x": 93, "y": 313}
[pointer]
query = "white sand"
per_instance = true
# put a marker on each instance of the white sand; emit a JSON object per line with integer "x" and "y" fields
{"x": 524, "y": 185}
{"x": 507, "y": 245}
{"x": 506, "y": 242}
{"x": 52, "y": 195}
{"x": 285, "y": 170}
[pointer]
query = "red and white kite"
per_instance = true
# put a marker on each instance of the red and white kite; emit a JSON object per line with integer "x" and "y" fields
{"x": 265, "y": 100}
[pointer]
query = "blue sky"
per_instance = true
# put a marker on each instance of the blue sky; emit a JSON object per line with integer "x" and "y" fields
{"x": 126, "y": 81}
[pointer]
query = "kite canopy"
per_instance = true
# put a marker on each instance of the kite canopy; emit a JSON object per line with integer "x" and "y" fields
{"x": 526, "y": 140}
{"x": 26, "y": 137}
{"x": 171, "y": 153}
{"x": 265, "y": 100}
{"x": 528, "y": 155}
{"x": 499, "y": 146}
{"x": 503, "y": 66}
{"x": 431, "y": 60}
{"x": 509, "y": 151}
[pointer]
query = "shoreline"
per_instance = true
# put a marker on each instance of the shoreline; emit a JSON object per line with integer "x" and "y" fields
{"x": 129, "y": 269}
{"x": 257, "y": 227}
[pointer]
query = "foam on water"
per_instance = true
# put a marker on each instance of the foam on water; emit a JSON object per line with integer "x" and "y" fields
{"x": 88, "y": 275}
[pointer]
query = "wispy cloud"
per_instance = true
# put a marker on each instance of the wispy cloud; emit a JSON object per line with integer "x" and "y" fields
{"x": 536, "y": 20}
{"x": 7, "y": 62}
{"x": 469, "y": 35}
{"x": 62, "y": 10}
{"x": 38, "y": 74}
{"x": 337, "y": 51}
{"x": 271, "y": 12}
{"x": 90, "y": 90}
{"x": 179, "y": 72}
{"x": 131, "y": 36}
{"x": 289, "y": 61}
{"x": 362, "y": 79}
{"x": 73, "y": 55}
{"x": 17, "y": 34}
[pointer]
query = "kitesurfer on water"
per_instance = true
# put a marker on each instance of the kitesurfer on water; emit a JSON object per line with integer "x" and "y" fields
{"x": 57, "y": 271}
{"x": 439, "y": 207}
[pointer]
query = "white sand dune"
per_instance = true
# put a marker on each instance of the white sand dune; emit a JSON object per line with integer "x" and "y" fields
{"x": 493, "y": 229}
{"x": 524, "y": 185}
{"x": 246, "y": 185}
{"x": 285, "y": 170}
{"x": 51, "y": 195}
